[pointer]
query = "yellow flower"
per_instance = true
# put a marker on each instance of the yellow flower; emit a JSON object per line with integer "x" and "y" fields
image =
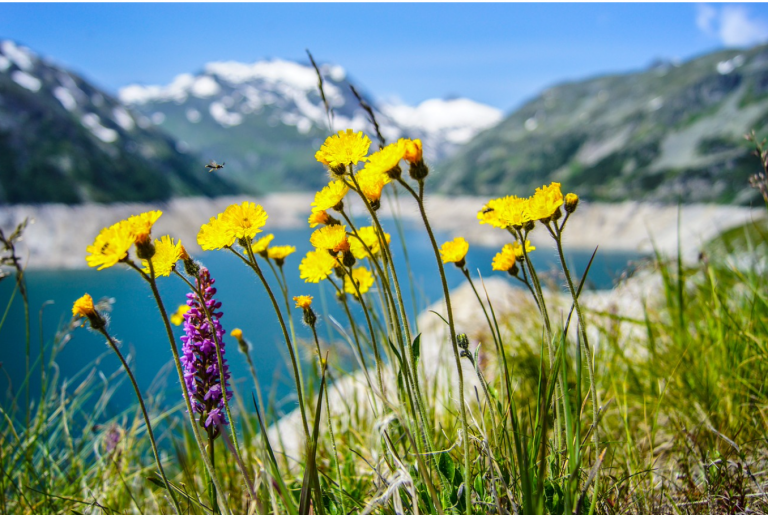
{"x": 362, "y": 277}
{"x": 259, "y": 246}
{"x": 83, "y": 307}
{"x": 246, "y": 219}
{"x": 387, "y": 158}
{"x": 280, "y": 252}
{"x": 141, "y": 225}
{"x": 505, "y": 212}
{"x": 413, "y": 151}
{"x": 504, "y": 261}
{"x": 329, "y": 197}
{"x": 110, "y": 246}
{"x": 317, "y": 218}
{"x": 345, "y": 148}
{"x": 178, "y": 317}
{"x": 216, "y": 234}
{"x": 454, "y": 251}
{"x": 330, "y": 237}
{"x": 545, "y": 201}
{"x": 166, "y": 255}
{"x": 370, "y": 237}
{"x": 371, "y": 182}
{"x": 303, "y": 301}
{"x": 316, "y": 266}
{"x": 237, "y": 333}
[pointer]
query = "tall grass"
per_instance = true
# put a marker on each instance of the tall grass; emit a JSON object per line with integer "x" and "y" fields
{"x": 566, "y": 407}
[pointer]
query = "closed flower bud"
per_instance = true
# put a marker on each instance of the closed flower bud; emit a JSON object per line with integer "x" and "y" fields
{"x": 529, "y": 225}
{"x": 309, "y": 317}
{"x": 376, "y": 204}
{"x": 418, "y": 171}
{"x": 348, "y": 259}
{"x": 145, "y": 249}
{"x": 462, "y": 341}
{"x": 191, "y": 268}
{"x": 571, "y": 202}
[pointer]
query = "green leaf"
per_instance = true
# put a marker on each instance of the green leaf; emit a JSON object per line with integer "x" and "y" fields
{"x": 446, "y": 466}
{"x": 416, "y": 349}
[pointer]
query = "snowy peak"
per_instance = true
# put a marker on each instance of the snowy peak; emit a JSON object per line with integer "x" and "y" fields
{"x": 286, "y": 93}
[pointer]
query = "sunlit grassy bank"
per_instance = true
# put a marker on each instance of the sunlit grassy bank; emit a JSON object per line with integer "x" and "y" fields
{"x": 547, "y": 401}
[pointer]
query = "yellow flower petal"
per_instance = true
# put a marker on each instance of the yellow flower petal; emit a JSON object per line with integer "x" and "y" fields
{"x": 316, "y": 266}
{"x": 330, "y": 196}
{"x": 362, "y": 277}
{"x": 246, "y": 219}
{"x": 216, "y": 234}
{"x": 110, "y": 246}
{"x": 303, "y": 301}
{"x": 345, "y": 148}
{"x": 330, "y": 237}
{"x": 83, "y": 306}
{"x": 370, "y": 237}
{"x": 166, "y": 255}
{"x": 178, "y": 317}
{"x": 454, "y": 251}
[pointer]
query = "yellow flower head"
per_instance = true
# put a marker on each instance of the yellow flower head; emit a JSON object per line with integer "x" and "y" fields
{"x": 371, "y": 182}
{"x": 216, "y": 234}
{"x": 330, "y": 196}
{"x": 454, "y": 251}
{"x": 362, "y": 277}
{"x": 387, "y": 158}
{"x": 303, "y": 301}
{"x": 83, "y": 307}
{"x": 370, "y": 237}
{"x": 280, "y": 252}
{"x": 166, "y": 255}
{"x": 545, "y": 201}
{"x": 178, "y": 317}
{"x": 260, "y": 246}
{"x": 517, "y": 249}
{"x": 237, "y": 334}
{"x": 413, "y": 151}
{"x": 246, "y": 219}
{"x": 505, "y": 212}
{"x": 504, "y": 261}
{"x": 318, "y": 218}
{"x": 316, "y": 266}
{"x": 345, "y": 148}
{"x": 330, "y": 237}
{"x": 141, "y": 225}
{"x": 110, "y": 246}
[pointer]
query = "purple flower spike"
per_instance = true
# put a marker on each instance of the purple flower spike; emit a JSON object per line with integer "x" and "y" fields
{"x": 201, "y": 368}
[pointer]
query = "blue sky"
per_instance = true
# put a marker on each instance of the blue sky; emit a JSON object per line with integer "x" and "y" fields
{"x": 500, "y": 54}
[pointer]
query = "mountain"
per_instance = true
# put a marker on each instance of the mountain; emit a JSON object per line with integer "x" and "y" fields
{"x": 673, "y": 131}
{"x": 266, "y": 119}
{"x": 64, "y": 140}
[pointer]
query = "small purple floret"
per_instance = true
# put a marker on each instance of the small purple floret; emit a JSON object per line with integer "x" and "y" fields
{"x": 201, "y": 368}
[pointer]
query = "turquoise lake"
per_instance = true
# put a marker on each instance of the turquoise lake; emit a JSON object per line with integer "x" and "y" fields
{"x": 136, "y": 323}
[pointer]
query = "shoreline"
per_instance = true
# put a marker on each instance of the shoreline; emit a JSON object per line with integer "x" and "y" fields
{"x": 60, "y": 233}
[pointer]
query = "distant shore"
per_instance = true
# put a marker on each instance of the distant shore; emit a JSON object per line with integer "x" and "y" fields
{"x": 60, "y": 233}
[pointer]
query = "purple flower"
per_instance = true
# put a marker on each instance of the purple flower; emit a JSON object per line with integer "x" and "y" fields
{"x": 201, "y": 368}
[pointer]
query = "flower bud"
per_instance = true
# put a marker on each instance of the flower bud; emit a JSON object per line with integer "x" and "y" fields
{"x": 514, "y": 270}
{"x": 462, "y": 341}
{"x": 348, "y": 259}
{"x": 376, "y": 204}
{"x": 145, "y": 249}
{"x": 395, "y": 173}
{"x": 339, "y": 170}
{"x": 571, "y": 202}
{"x": 418, "y": 171}
{"x": 309, "y": 317}
{"x": 529, "y": 225}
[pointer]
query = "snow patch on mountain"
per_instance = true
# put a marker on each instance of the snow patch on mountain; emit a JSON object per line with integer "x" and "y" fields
{"x": 21, "y": 56}
{"x": 25, "y": 80}
{"x": 457, "y": 120}
{"x": 93, "y": 123}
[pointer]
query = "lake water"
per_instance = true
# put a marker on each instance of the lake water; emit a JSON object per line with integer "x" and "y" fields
{"x": 137, "y": 324}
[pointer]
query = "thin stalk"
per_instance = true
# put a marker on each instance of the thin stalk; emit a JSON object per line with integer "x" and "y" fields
{"x": 452, "y": 327}
{"x": 330, "y": 426}
{"x": 255, "y": 267}
{"x": 557, "y": 235}
{"x": 180, "y": 372}
{"x": 211, "y": 486}
{"x": 150, "y": 433}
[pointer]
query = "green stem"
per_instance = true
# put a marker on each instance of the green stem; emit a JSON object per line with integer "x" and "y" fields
{"x": 180, "y": 372}
{"x": 296, "y": 375}
{"x": 151, "y": 434}
{"x": 212, "y": 486}
{"x": 452, "y": 327}
{"x": 557, "y": 235}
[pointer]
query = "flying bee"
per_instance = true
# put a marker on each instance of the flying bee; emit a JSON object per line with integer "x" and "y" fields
{"x": 213, "y": 165}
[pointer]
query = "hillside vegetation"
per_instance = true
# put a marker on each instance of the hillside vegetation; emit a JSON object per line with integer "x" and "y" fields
{"x": 673, "y": 131}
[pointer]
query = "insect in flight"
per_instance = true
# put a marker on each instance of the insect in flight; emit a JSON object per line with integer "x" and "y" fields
{"x": 213, "y": 165}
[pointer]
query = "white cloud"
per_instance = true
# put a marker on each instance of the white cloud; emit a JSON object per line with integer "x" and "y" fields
{"x": 732, "y": 25}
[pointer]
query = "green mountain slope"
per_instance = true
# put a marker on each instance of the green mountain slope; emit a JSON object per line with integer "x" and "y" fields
{"x": 63, "y": 140}
{"x": 674, "y": 131}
